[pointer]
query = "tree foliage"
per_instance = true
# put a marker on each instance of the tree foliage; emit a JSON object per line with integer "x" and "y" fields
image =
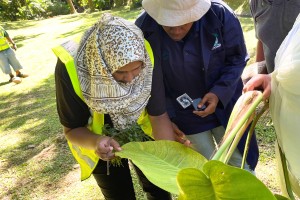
{"x": 13, "y": 10}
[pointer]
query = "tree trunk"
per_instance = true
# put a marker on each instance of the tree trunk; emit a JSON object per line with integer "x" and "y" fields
{"x": 71, "y": 5}
{"x": 91, "y": 5}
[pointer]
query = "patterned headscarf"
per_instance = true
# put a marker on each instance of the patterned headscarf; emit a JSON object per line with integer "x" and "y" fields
{"x": 106, "y": 47}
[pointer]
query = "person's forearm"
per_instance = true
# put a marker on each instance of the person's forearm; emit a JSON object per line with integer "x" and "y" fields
{"x": 162, "y": 127}
{"x": 10, "y": 40}
{"x": 82, "y": 137}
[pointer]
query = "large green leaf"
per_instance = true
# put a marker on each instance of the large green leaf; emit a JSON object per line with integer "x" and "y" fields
{"x": 219, "y": 181}
{"x": 161, "y": 161}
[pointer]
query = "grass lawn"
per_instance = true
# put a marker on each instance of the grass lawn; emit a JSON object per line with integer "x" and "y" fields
{"x": 35, "y": 162}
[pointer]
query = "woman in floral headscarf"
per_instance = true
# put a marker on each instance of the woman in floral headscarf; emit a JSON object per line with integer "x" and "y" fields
{"x": 105, "y": 79}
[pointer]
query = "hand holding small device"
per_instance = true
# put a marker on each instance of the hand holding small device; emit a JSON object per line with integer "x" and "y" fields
{"x": 195, "y": 103}
{"x": 185, "y": 101}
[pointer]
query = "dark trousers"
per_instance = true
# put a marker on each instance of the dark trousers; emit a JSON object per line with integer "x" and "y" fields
{"x": 118, "y": 184}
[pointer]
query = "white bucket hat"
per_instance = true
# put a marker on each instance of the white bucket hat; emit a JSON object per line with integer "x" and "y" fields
{"x": 176, "y": 12}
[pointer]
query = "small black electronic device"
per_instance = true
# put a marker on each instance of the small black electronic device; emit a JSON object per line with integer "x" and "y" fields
{"x": 195, "y": 103}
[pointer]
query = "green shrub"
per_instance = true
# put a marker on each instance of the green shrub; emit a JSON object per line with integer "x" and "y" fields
{"x": 35, "y": 9}
{"x": 58, "y": 8}
{"x": 136, "y": 4}
{"x": 119, "y": 3}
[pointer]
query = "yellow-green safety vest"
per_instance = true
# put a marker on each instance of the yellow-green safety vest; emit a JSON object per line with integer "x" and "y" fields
{"x": 87, "y": 158}
{"x": 3, "y": 41}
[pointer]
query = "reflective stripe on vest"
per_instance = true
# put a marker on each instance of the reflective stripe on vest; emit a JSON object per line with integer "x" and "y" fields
{"x": 3, "y": 41}
{"x": 86, "y": 158}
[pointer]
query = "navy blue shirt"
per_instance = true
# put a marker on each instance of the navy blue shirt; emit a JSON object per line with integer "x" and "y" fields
{"x": 182, "y": 61}
{"x": 214, "y": 56}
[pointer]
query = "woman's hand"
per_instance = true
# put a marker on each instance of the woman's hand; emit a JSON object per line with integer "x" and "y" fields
{"x": 105, "y": 147}
{"x": 180, "y": 136}
{"x": 14, "y": 46}
{"x": 260, "y": 82}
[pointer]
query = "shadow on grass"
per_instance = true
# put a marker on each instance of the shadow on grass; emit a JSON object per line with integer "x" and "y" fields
{"x": 75, "y": 31}
{"x": 129, "y": 14}
{"x": 5, "y": 82}
{"x": 20, "y": 39}
{"x": 92, "y": 18}
{"x": 42, "y": 158}
{"x": 19, "y": 24}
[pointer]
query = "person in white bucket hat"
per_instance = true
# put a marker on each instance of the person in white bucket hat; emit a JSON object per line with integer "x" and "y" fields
{"x": 199, "y": 53}
{"x": 176, "y": 13}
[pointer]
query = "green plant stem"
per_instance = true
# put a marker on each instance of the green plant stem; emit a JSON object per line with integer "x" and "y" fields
{"x": 251, "y": 131}
{"x": 237, "y": 138}
{"x": 238, "y": 126}
{"x": 286, "y": 174}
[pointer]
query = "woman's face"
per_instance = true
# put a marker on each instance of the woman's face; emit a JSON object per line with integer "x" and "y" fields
{"x": 127, "y": 73}
{"x": 177, "y": 33}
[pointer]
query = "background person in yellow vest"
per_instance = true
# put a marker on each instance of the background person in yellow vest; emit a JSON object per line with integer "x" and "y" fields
{"x": 8, "y": 57}
{"x": 114, "y": 72}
